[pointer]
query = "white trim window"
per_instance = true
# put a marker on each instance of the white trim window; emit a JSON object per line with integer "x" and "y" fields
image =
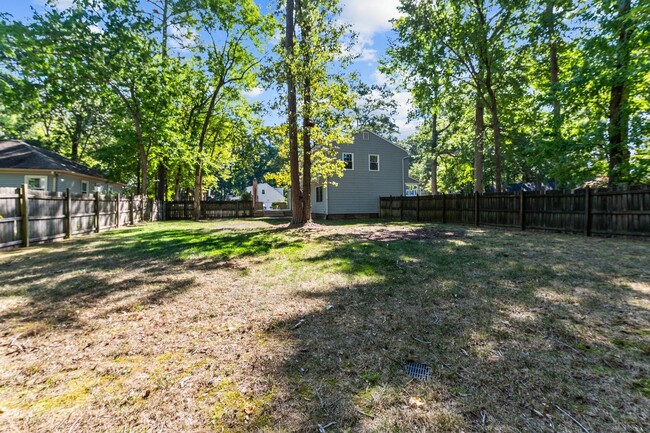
{"x": 373, "y": 162}
{"x": 348, "y": 159}
{"x": 36, "y": 182}
{"x": 365, "y": 136}
{"x": 411, "y": 190}
{"x": 319, "y": 194}
{"x": 84, "y": 187}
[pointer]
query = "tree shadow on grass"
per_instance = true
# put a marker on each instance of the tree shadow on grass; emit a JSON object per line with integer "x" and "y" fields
{"x": 144, "y": 264}
{"x": 516, "y": 332}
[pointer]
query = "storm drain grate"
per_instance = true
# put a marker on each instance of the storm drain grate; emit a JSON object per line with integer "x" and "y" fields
{"x": 418, "y": 371}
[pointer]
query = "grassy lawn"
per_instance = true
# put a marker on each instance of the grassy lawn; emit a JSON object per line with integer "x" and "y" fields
{"x": 249, "y": 326}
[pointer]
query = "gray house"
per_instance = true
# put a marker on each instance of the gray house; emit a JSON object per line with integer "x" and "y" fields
{"x": 41, "y": 169}
{"x": 374, "y": 167}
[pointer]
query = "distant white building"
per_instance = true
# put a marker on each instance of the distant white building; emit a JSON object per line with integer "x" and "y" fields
{"x": 267, "y": 194}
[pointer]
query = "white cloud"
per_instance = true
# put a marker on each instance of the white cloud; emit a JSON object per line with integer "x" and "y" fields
{"x": 368, "y": 17}
{"x": 58, "y": 4}
{"x": 181, "y": 39}
{"x": 368, "y": 55}
{"x": 95, "y": 29}
{"x": 379, "y": 77}
{"x": 254, "y": 92}
{"x": 361, "y": 53}
{"x": 404, "y": 105}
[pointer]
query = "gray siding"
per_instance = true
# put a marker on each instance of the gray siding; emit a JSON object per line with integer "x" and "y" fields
{"x": 15, "y": 180}
{"x": 358, "y": 191}
{"x": 65, "y": 180}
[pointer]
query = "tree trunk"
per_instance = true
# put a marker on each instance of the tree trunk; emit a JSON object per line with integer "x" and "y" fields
{"x": 296, "y": 193}
{"x": 177, "y": 185}
{"x": 165, "y": 19}
{"x": 306, "y": 116}
{"x": 161, "y": 188}
{"x": 434, "y": 157}
{"x": 306, "y": 153}
{"x": 198, "y": 165}
{"x": 555, "y": 71}
{"x": 496, "y": 128}
{"x": 144, "y": 158}
{"x": 144, "y": 171}
{"x": 76, "y": 137}
{"x": 619, "y": 153}
{"x": 198, "y": 190}
{"x": 479, "y": 143}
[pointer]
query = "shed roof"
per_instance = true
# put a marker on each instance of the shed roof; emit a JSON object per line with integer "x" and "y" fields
{"x": 20, "y": 155}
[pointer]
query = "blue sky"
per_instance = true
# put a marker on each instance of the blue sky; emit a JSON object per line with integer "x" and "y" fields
{"x": 370, "y": 19}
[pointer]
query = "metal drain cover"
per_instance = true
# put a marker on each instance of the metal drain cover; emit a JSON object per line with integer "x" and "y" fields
{"x": 418, "y": 371}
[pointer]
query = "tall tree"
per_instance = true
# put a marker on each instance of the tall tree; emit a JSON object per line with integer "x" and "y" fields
{"x": 229, "y": 66}
{"x": 619, "y": 152}
{"x": 312, "y": 49}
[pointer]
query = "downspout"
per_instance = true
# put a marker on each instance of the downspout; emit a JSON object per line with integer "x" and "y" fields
{"x": 403, "y": 178}
{"x": 327, "y": 200}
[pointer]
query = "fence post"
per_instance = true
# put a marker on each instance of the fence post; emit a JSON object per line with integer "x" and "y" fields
{"x": 587, "y": 211}
{"x": 237, "y": 209}
{"x": 185, "y": 208}
{"x": 24, "y": 212}
{"x": 444, "y": 208}
{"x": 117, "y": 212}
{"x": 476, "y": 208}
{"x": 97, "y": 211}
{"x": 401, "y": 207}
{"x": 417, "y": 208}
{"x": 522, "y": 221}
{"x": 68, "y": 214}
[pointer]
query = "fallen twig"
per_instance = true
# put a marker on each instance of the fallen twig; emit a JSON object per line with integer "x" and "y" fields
{"x": 573, "y": 419}
{"x": 323, "y": 428}
{"x": 420, "y": 341}
{"x": 566, "y": 345}
{"x": 300, "y": 322}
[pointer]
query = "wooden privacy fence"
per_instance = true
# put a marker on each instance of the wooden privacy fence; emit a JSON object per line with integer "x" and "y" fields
{"x": 587, "y": 211}
{"x": 29, "y": 216}
{"x": 184, "y": 210}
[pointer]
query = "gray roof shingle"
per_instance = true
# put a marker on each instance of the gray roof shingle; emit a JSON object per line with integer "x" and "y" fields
{"x": 18, "y": 154}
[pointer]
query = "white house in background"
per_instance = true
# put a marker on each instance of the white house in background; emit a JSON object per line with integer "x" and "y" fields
{"x": 267, "y": 194}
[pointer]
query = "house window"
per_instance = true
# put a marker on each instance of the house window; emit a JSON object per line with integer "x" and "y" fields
{"x": 365, "y": 136}
{"x": 319, "y": 194}
{"x": 84, "y": 187}
{"x": 411, "y": 190}
{"x": 263, "y": 192}
{"x": 348, "y": 159}
{"x": 373, "y": 162}
{"x": 36, "y": 182}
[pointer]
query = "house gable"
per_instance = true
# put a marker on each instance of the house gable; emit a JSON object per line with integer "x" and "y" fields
{"x": 359, "y": 189}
